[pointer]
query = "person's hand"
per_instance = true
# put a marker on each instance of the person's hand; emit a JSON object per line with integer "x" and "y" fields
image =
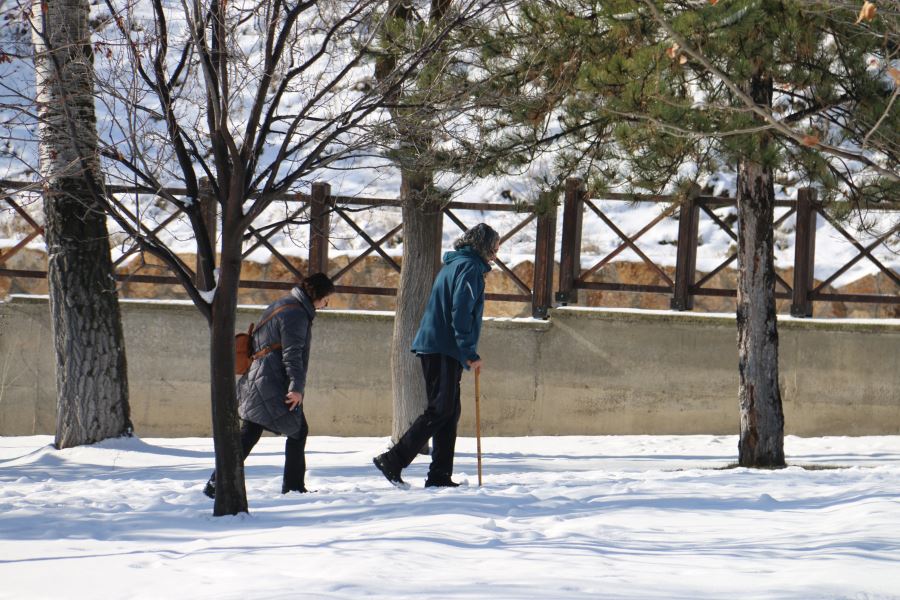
{"x": 474, "y": 365}
{"x": 293, "y": 400}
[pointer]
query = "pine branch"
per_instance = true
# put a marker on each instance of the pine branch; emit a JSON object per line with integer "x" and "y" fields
{"x": 739, "y": 93}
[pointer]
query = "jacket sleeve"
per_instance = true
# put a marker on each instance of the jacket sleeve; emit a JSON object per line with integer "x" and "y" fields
{"x": 467, "y": 292}
{"x": 294, "y": 329}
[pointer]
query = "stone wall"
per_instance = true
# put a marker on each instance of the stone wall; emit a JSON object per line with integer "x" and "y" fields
{"x": 585, "y": 371}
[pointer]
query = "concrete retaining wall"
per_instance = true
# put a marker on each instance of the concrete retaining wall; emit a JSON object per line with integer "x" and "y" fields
{"x": 583, "y": 372}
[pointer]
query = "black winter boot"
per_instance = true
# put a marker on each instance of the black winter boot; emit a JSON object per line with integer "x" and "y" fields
{"x": 210, "y": 489}
{"x": 440, "y": 481}
{"x": 389, "y": 469}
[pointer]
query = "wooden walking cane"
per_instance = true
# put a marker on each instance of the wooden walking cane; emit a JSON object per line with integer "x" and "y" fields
{"x": 478, "y": 421}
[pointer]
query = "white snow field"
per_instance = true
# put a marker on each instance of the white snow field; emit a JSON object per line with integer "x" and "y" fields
{"x": 558, "y": 517}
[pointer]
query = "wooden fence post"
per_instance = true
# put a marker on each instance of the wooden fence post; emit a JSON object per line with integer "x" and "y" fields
{"x": 804, "y": 253}
{"x": 570, "y": 249}
{"x": 545, "y": 243}
{"x": 209, "y": 213}
{"x": 319, "y": 226}
{"x": 686, "y": 258}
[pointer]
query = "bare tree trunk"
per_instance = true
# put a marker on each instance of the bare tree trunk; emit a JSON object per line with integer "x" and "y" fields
{"x": 422, "y": 231}
{"x": 422, "y": 223}
{"x": 231, "y": 493}
{"x": 91, "y": 373}
{"x": 762, "y": 418}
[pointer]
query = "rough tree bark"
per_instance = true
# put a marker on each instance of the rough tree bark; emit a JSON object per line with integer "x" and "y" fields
{"x": 762, "y": 418}
{"x": 422, "y": 230}
{"x": 223, "y": 394}
{"x": 91, "y": 374}
{"x": 422, "y": 225}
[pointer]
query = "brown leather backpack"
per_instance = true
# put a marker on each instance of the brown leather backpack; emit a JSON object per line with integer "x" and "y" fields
{"x": 243, "y": 343}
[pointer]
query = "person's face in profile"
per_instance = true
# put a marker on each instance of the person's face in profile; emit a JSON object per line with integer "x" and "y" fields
{"x": 494, "y": 250}
{"x": 321, "y": 303}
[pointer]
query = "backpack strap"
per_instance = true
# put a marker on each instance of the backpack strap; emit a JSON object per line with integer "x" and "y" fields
{"x": 271, "y": 347}
{"x": 281, "y": 308}
{"x": 266, "y": 350}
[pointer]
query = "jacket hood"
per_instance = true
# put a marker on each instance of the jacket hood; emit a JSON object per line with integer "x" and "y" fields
{"x": 465, "y": 254}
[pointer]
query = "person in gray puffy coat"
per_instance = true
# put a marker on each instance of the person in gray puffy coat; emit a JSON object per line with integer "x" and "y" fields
{"x": 270, "y": 394}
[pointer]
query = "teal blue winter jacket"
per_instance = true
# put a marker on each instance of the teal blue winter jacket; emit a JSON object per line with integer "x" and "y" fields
{"x": 452, "y": 320}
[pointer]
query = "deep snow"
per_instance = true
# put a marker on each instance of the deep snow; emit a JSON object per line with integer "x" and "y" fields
{"x": 558, "y": 517}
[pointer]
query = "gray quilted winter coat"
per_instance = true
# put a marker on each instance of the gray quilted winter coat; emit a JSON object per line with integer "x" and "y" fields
{"x": 262, "y": 390}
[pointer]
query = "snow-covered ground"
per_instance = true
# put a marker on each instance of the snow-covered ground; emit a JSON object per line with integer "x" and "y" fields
{"x": 562, "y": 517}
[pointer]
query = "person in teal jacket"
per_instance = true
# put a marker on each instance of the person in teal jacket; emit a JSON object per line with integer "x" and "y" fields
{"x": 446, "y": 343}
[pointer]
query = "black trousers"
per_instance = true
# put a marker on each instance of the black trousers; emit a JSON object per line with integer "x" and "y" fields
{"x": 439, "y": 421}
{"x": 294, "y": 454}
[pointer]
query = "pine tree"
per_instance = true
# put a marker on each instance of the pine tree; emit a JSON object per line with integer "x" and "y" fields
{"x": 429, "y": 133}
{"x": 657, "y": 95}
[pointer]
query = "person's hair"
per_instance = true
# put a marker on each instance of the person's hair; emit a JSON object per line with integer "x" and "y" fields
{"x": 480, "y": 238}
{"x": 317, "y": 286}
